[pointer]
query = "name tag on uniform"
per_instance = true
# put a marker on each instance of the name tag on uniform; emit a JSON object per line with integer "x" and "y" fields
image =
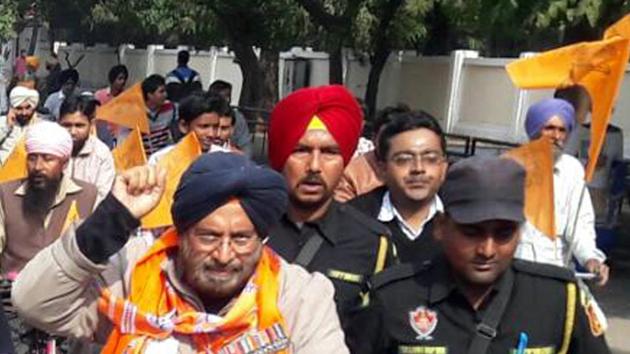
{"x": 345, "y": 276}
{"x": 540, "y": 350}
{"x": 421, "y": 349}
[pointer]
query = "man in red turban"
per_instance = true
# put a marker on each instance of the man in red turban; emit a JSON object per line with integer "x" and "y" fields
{"x": 333, "y": 105}
{"x": 312, "y": 135}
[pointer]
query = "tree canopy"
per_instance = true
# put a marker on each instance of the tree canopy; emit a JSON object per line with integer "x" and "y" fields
{"x": 371, "y": 28}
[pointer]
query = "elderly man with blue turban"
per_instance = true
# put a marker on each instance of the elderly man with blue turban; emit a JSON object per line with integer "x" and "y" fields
{"x": 207, "y": 285}
{"x": 574, "y": 217}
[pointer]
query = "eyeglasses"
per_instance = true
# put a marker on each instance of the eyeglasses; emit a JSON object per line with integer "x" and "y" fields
{"x": 428, "y": 158}
{"x": 240, "y": 244}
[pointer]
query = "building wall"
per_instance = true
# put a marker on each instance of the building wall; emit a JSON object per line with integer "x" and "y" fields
{"x": 468, "y": 94}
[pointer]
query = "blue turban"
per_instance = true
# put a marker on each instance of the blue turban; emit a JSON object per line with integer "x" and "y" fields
{"x": 214, "y": 178}
{"x": 539, "y": 114}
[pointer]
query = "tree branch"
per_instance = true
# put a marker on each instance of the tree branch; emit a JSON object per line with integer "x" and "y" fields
{"x": 317, "y": 10}
{"x": 381, "y": 38}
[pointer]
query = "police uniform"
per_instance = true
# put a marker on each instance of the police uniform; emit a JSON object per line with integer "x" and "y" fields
{"x": 353, "y": 247}
{"x": 528, "y": 308}
{"x": 422, "y": 311}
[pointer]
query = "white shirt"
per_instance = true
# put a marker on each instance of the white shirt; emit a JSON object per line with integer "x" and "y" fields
{"x": 157, "y": 156}
{"x": 575, "y": 221}
{"x": 388, "y": 213}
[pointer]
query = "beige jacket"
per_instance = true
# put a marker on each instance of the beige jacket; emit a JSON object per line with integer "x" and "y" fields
{"x": 56, "y": 292}
{"x": 359, "y": 177}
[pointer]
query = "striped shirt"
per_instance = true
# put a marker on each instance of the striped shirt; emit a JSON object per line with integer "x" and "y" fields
{"x": 160, "y": 123}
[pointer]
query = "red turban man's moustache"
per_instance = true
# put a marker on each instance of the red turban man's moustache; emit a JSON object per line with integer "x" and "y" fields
{"x": 334, "y": 105}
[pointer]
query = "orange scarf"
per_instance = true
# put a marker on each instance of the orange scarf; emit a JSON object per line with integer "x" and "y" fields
{"x": 154, "y": 311}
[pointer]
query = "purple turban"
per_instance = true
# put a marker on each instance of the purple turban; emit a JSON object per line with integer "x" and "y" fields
{"x": 539, "y": 114}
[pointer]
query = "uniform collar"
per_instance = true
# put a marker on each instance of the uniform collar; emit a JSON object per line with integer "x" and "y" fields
{"x": 443, "y": 284}
{"x": 326, "y": 225}
{"x": 66, "y": 187}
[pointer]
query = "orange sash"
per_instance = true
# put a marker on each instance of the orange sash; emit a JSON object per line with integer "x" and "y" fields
{"x": 154, "y": 311}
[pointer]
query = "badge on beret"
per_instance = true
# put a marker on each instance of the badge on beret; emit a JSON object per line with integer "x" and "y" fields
{"x": 423, "y": 321}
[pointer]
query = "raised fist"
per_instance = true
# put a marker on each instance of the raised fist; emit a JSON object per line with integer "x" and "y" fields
{"x": 140, "y": 188}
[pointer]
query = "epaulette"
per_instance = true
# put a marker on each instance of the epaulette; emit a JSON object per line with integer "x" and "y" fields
{"x": 544, "y": 270}
{"x": 395, "y": 273}
{"x": 372, "y": 224}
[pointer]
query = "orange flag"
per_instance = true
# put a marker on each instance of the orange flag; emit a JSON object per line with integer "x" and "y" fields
{"x": 620, "y": 28}
{"x": 127, "y": 109}
{"x": 537, "y": 159}
{"x": 130, "y": 153}
{"x": 15, "y": 165}
{"x": 598, "y": 66}
{"x": 72, "y": 216}
{"x": 175, "y": 162}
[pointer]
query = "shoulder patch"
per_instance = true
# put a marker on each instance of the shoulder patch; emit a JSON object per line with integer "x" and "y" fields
{"x": 365, "y": 220}
{"x": 395, "y": 273}
{"x": 544, "y": 270}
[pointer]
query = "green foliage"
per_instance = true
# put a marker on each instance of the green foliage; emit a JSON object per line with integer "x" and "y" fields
{"x": 267, "y": 24}
{"x": 8, "y": 17}
{"x": 406, "y": 29}
{"x": 508, "y": 27}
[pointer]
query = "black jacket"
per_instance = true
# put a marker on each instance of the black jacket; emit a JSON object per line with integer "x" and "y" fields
{"x": 418, "y": 251}
{"x": 423, "y": 311}
{"x": 354, "y": 247}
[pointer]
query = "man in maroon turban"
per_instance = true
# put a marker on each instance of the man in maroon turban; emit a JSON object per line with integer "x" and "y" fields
{"x": 312, "y": 135}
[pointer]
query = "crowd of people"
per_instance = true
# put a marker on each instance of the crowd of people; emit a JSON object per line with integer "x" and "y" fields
{"x": 399, "y": 249}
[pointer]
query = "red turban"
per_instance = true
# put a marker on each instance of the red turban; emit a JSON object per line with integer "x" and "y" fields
{"x": 334, "y": 105}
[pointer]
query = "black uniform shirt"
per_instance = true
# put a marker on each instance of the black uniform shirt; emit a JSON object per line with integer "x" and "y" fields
{"x": 424, "y": 312}
{"x": 348, "y": 254}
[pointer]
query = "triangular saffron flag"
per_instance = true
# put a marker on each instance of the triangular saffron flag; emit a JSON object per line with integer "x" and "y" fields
{"x": 620, "y": 28}
{"x": 175, "y": 162}
{"x": 15, "y": 166}
{"x": 130, "y": 153}
{"x": 127, "y": 109}
{"x": 72, "y": 216}
{"x": 537, "y": 159}
{"x": 597, "y": 66}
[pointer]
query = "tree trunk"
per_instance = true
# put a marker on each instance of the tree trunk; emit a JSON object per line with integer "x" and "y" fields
{"x": 252, "y": 75}
{"x": 269, "y": 63}
{"x": 378, "y": 62}
{"x": 380, "y": 55}
{"x": 259, "y": 91}
{"x": 336, "y": 65}
{"x": 34, "y": 37}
